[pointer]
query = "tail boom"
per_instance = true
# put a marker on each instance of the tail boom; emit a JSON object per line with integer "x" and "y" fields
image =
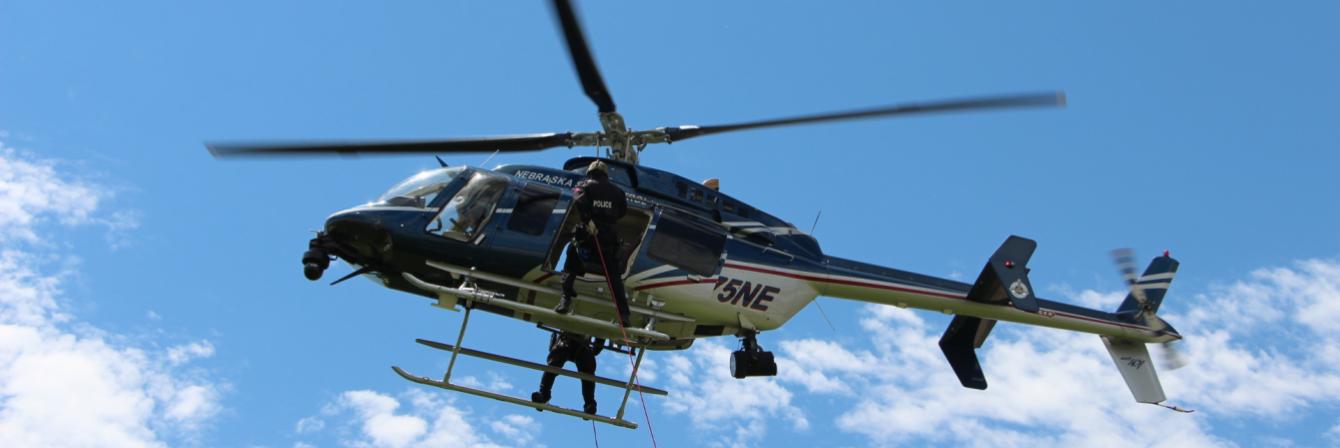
{"x": 1002, "y": 292}
{"x": 854, "y": 280}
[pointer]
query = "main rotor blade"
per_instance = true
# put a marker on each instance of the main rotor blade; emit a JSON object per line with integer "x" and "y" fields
{"x": 582, "y": 60}
{"x": 511, "y": 143}
{"x": 1000, "y": 102}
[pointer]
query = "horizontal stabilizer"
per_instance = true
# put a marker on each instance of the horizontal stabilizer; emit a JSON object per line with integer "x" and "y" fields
{"x": 1005, "y": 276}
{"x": 959, "y": 343}
{"x": 1132, "y": 359}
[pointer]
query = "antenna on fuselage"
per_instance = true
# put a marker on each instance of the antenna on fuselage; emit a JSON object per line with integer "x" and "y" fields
{"x": 486, "y": 161}
{"x": 816, "y": 299}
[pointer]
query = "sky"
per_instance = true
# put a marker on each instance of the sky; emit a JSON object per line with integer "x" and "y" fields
{"x": 151, "y": 295}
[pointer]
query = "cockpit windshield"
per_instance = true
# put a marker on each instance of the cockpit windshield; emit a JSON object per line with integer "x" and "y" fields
{"x": 419, "y": 190}
{"x": 464, "y": 216}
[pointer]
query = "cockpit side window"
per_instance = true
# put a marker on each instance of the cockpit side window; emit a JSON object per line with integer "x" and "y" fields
{"x": 464, "y": 216}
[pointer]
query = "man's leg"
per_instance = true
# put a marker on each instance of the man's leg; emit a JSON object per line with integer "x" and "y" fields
{"x": 614, "y": 263}
{"x": 586, "y": 363}
{"x": 556, "y": 359}
{"x": 572, "y": 267}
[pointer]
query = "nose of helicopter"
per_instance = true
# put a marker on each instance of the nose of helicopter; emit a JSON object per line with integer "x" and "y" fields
{"x": 360, "y": 229}
{"x": 357, "y": 235}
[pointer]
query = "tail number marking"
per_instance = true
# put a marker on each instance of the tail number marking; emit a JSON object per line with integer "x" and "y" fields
{"x": 745, "y": 294}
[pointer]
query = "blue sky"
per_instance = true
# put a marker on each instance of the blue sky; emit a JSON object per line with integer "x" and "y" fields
{"x": 156, "y": 292}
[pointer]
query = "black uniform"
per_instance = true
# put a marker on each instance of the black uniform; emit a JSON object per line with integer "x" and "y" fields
{"x": 598, "y": 200}
{"x": 581, "y": 351}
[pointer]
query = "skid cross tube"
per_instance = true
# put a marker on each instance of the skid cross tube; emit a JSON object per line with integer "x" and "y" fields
{"x": 455, "y": 351}
{"x": 632, "y": 382}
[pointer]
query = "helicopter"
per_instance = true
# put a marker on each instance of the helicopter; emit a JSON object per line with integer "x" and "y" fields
{"x": 699, "y": 263}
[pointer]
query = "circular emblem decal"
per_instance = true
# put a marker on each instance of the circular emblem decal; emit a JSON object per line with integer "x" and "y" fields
{"x": 1018, "y": 289}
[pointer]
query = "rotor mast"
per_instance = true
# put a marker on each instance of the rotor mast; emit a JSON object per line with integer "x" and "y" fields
{"x": 619, "y": 139}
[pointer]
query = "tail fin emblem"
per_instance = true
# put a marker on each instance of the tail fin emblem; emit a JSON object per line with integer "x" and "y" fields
{"x": 1018, "y": 289}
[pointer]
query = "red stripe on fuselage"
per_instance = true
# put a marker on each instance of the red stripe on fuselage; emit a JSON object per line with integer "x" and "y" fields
{"x": 845, "y": 282}
{"x": 683, "y": 281}
{"x": 914, "y": 291}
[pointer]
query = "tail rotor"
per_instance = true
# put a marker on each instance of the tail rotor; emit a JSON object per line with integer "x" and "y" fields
{"x": 1141, "y": 307}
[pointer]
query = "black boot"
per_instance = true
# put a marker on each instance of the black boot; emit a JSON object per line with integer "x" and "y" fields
{"x": 540, "y": 397}
{"x": 564, "y": 305}
{"x": 590, "y": 407}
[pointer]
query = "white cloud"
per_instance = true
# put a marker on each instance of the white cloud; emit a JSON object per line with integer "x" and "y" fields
{"x": 1047, "y": 388}
{"x": 801, "y": 355}
{"x": 494, "y": 383}
{"x": 31, "y": 190}
{"x": 520, "y": 429}
{"x": 309, "y": 424}
{"x": 380, "y": 422}
{"x": 185, "y": 353}
{"x": 739, "y": 410}
{"x": 1265, "y": 347}
{"x": 62, "y": 381}
{"x": 429, "y": 420}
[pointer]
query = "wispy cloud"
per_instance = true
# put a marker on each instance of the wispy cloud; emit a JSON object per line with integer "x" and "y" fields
{"x": 737, "y": 411}
{"x": 366, "y": 418}
{"x": 33, "y": 191}
{"x": 64, "y": 382}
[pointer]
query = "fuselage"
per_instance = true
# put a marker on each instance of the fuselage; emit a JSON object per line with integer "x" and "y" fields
{"x": 711, "y": 264}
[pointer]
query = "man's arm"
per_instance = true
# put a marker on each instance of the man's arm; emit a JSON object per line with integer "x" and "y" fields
{"x": 620, "y": 204}
{"x": 581, "y": 201}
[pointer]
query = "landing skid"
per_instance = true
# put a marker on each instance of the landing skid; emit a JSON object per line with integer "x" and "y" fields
{"x": 514, "y": 400}
{"x": 456, "y": 350}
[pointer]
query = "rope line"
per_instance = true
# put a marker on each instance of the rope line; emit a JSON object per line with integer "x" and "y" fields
{"x": 636, "y": 383}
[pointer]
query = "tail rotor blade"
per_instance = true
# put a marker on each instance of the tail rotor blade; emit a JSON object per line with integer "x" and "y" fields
{"x": 1173, "y": 358}
{"x": 1125, "y": 260}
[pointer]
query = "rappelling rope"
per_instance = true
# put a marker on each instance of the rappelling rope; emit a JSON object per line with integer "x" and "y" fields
{"x": 637, "y": 384}
{"x": 593, "y": 434}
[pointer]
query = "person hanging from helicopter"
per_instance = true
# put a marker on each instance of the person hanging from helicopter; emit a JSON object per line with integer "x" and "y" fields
{"x": 582, "y": 351}
{"x": 599, "y": 205}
